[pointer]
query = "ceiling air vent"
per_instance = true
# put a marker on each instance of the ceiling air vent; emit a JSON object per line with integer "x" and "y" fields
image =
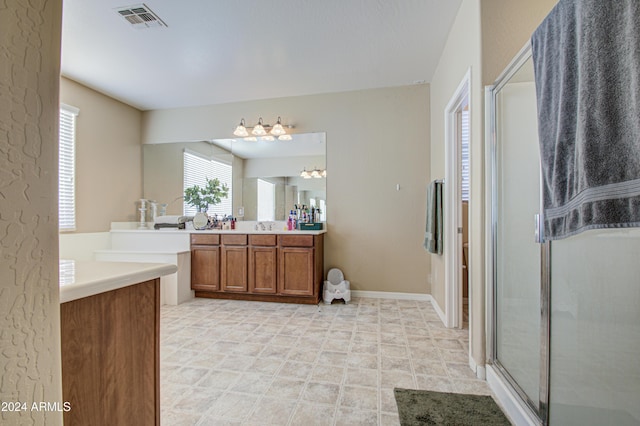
{"x": 140, "y": 16}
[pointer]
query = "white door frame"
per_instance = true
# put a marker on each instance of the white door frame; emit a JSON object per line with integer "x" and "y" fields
{"x": 452, "y": 205}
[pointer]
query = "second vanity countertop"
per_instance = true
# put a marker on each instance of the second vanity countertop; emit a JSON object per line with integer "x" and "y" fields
{"x": 80, "y": 279}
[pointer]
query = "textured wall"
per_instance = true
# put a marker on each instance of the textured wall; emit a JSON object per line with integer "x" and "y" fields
{"x": 29, "y": 303}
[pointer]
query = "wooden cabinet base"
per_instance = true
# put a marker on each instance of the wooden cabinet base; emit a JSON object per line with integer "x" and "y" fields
{"x": 309, "y": 300}
{"x": 284, "y": 268}
{"x": 110, "y": 357}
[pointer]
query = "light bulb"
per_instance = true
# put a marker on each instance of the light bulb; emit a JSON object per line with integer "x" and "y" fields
{"x": 284, "y": 138}
{"x": 278, "y": 130}
{"x": 258, "y": 130}
{"x": 241, "y": 130}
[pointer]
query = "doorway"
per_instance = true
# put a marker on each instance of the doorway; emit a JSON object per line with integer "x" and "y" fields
{"x": 457, "y": 200}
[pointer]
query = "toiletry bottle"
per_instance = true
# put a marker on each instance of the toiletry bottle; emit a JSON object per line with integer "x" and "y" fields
{"x": 233, "y": 223}
{"x": 295, "y": 221}
{"x": 290, "y": 221}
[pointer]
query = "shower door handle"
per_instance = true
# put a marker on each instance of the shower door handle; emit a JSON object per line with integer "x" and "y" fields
{"x": 538, "y": 233}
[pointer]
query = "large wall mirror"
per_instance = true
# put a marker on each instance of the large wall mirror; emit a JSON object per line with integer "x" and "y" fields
{"x": 265, "y": 183}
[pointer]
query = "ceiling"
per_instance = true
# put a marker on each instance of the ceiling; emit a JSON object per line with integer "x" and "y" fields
{"x": 220, "y": 51}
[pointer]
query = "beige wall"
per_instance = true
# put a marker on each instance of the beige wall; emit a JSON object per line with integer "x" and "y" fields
{"x": 485, "y": 36}
{"x": 30, "y": 320}
{"x": 108, "y": 158}
{"x": 375, "y": 140}
{"x": 462, "y": 53}
{"x": 506, "y": 26}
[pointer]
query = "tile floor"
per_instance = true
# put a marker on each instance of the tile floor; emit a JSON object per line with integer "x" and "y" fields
{"x": 252, "y": 363}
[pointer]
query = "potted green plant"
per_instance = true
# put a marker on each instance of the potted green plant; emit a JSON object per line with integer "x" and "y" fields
{"x": 212, "y": 194}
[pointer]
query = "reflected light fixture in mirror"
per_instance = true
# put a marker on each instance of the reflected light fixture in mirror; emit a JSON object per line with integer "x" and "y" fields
{"x": 262, "y": 132}
{"x": 315, "y": 173}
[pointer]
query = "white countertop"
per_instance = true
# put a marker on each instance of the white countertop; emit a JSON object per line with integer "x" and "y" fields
{"x": 80, "y": 279}
{"x": 216, "y": 231}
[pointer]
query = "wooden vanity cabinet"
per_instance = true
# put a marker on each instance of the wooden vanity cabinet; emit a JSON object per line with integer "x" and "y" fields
{"x": 205, "y": 262}
{"x": 265, "y": 267}
{"x": 297, "y": 264}
{"x": 263, "y": 254}
{"x": 110, "y": 357}
{"x": 234, "y": 263}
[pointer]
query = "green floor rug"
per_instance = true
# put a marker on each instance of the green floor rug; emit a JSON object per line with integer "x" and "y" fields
{"x": 420, "y": 407}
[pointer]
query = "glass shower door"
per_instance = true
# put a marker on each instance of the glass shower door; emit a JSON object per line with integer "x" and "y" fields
{"x": 518, "y": 329}
{"x": 595, "y": 329}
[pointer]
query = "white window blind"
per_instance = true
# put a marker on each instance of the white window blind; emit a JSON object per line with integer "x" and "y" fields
{"x": 464, "y": 129}
{"x": 67, "y": 169}
{"x": 197, "y": 169}
{"x": 266, "y": 200}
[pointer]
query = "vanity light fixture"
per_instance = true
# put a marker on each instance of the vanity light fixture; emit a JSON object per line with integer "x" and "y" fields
{"x": 262, "y": 131}
{"x": 315, "y": 173}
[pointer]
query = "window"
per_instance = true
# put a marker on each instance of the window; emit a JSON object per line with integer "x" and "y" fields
{"x": 197, "y": 168}
{"x": 266, "y": 200}
{"x": 464, "y": 153}
{"x": 67, "y": 169}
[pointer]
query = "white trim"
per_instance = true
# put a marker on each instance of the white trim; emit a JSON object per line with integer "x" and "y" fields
{"x": 391, "y": 295}
{"x": 508, "y": 402}
{"x": 70, "y": 109}
{"x": 452, "y": 276}
{"x": 480, "y": 370}
{"x": 219, "y": 157}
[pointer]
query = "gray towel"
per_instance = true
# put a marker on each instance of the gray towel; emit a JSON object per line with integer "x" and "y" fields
{"x": 433, "y": 232}
{"x": 586, "y": 57}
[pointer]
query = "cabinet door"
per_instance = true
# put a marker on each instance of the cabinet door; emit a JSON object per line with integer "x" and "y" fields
{"x": 296, "y": 271}
{"x": 262, "y": 269}
{"x": 205, "y": 268}
{"x": 234, "y": 268}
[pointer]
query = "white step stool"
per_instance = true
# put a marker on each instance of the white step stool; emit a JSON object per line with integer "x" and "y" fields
{"x": 336, "y": 287}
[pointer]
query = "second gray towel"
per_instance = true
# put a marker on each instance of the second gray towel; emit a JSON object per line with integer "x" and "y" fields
{"x": 434, "y": 220}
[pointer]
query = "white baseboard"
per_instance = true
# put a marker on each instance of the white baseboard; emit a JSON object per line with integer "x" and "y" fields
{"x": 401, "y": 296}
{"x": 478, "y": 370}
{"x": 439, "y": 311}
{"x": 517, "y": 414}
{"x": 391, "y": 295}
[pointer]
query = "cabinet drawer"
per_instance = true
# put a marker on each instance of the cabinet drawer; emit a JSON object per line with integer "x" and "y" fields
{"x": 234, "y": 240}
{"x": 262, "y": 240}
{"x": 296, "y": 240}
{"x": 205, "y": 239}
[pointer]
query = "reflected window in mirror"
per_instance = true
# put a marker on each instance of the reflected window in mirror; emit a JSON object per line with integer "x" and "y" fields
{"x": 197, "y": 168}
{"x": 266, "y": 200}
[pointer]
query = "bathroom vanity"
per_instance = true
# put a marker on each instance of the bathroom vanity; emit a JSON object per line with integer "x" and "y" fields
{"x": 110, "y": 343}
{"x": 266, "y": 266}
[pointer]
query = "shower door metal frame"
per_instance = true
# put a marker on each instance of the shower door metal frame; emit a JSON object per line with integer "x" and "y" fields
{"x": 540, "y": 411}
